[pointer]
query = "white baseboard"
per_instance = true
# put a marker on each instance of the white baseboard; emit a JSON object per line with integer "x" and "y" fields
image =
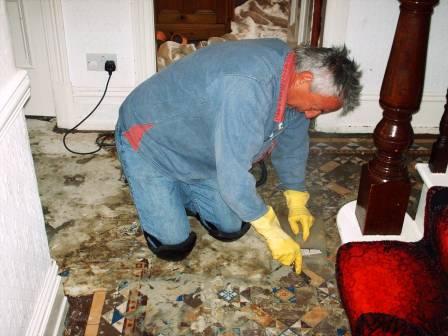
{"x": 82, "y": 102}
{"x": 365, "y": 118}
{"x": 51, "y": 307}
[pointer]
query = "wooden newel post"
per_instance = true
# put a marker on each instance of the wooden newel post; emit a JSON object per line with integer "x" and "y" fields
{"x": 384, "y": 185}
{"x": 439, "y": 153}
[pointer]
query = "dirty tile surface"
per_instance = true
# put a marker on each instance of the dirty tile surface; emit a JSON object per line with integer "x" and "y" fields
{"x": 222, "y": 288}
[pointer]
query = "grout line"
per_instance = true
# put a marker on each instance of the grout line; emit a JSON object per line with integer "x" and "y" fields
{"x": 93, "y": 322}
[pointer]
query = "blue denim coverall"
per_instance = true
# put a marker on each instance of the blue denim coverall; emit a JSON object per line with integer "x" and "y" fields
{"x": 188, "y": 136}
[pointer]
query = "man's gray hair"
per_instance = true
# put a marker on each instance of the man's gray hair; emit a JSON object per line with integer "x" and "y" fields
{"x": 334, "y": 74}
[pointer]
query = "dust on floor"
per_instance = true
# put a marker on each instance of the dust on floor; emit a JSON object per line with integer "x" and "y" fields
{"x": 221, "y": 288}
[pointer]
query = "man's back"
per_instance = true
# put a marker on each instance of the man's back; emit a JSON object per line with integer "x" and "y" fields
{"x": 182, "y": 107}
{"x": 182, "y": 85}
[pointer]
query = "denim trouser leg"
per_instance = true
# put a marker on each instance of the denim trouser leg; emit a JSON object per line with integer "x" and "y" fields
{"x": 157, "y": 198}
{"x": 161, "y": 201}
{"x": 203, "y": 197}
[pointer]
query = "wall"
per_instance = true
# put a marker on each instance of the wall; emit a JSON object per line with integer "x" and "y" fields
{"x": 26, "y": 268}
{"x": 367, "y": 28}
{"x": 98, "y": 26}
{"x": 17, "y": 293}
{"x": 23, "y": 246}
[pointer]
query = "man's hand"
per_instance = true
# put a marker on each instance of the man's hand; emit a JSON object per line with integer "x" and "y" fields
{"x": 298, "y": 213}
{"x": 283, "y": 248}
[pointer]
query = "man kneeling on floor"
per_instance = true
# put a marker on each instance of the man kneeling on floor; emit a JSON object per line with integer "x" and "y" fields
{"x": 187, "y": 138}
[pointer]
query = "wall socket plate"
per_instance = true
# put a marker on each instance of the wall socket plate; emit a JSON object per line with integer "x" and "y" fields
{"x": 95, "y": 62}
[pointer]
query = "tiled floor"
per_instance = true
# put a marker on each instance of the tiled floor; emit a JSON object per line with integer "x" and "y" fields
{"x": 222, "y": 288}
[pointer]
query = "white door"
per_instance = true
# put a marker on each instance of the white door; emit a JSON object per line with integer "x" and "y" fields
{"x": 30, "y": 49}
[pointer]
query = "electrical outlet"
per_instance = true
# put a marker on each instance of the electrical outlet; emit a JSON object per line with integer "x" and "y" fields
{"x": 95, "y": 62}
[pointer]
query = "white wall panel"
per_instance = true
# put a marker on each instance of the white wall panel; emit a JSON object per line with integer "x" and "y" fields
{"x": 24, "y": 253}
{"x": 367, "y": 28}
{"x": 98, "y": 26}
{"x": 7, "y": 66}
{"x": 25, "y": 262}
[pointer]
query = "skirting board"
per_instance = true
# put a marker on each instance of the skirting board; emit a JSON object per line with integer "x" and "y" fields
{"x": 365, "y": 118}
{"x": 51, "y": 307}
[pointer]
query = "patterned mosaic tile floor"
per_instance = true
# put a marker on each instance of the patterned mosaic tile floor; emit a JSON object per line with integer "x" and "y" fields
{"x": 116, "y": 287}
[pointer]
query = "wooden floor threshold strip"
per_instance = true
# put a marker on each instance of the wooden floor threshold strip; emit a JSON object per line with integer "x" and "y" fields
{"x": 93, "y": 322}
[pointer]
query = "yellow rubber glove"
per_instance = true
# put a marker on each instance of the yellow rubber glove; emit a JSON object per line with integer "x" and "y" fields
{"x": 298, "y": 213}
{"x": 283, "y": 247}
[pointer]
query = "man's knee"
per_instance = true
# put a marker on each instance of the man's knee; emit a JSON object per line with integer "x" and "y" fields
{"x": 172, "y": 252}
{"x": 226, "y": 236}
{"x": 228, "y": 233}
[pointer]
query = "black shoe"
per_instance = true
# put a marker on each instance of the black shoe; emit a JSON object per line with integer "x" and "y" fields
{"x": 175, "y": 252}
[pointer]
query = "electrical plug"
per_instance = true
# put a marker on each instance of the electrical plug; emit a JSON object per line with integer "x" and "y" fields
{"x": 110, "y": 67}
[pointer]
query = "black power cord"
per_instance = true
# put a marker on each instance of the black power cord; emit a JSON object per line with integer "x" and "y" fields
{"x": 110, "y": 67}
